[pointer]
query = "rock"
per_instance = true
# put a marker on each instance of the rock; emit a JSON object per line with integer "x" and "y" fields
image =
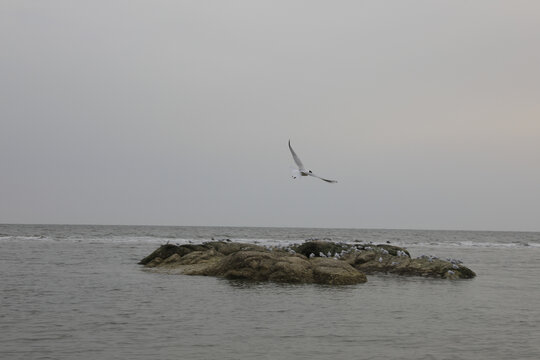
{"x": 155, "y": 262}
{"x": 415, "y": 267}
{"x": 335, "y": 272}
{"x": 163, "y": 252}
{"x": 247, "y": 265}
{"x": 296, "y": 264}
{"x": 198, "y": 257}
{"x": 223, "y": 247}
{"x": 283, "y": 267}
{"x": 264, "y": 266}
{"x": 251, "y": 262}
{"x": 173, "y": 259}
{"x": 292, "y": 269}
{"x": 356, "y": 259}
{"x": 393, "y": 250}
{"x": 193, "y": 263}
{"x": 319, "y": 247}
{"x": 227, "y": 248}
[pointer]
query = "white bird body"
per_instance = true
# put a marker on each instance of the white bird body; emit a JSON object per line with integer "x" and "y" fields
{"x": 301, "y": 170}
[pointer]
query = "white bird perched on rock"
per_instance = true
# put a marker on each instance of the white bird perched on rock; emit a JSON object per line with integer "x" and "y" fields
{"x": 301, "y": 170}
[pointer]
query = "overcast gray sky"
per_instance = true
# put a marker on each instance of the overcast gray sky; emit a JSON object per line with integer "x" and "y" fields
{"x": 179, "y": 113}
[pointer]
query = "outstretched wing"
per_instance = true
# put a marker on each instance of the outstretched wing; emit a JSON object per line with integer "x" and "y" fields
{"x": 296, "y": 158}
{"x": 323, "y": 179}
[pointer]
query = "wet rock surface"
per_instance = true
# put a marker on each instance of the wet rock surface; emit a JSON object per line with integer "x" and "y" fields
{"x": 321, "y": 262}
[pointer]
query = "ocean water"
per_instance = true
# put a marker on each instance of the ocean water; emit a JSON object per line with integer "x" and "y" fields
{"x": 77, "y": 292}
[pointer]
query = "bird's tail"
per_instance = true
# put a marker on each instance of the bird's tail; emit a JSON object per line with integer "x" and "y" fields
{"x": 295, "y": 173}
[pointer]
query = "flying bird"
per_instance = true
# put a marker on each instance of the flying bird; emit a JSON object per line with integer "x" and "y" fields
{"x": 301, "y": 170}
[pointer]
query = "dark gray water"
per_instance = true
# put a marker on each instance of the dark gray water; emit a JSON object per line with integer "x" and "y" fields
{"x": 76, "y": 292}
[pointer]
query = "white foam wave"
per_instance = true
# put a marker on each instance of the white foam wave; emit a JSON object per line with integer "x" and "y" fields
{"x": 24, "y": 238}
{"x": 472, "y": 244}
{"x": 263, "y": 241}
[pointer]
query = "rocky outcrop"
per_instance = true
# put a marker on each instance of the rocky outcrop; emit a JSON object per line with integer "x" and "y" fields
{"x": 332, "y": 272}
{"x": 385, "y": 258}
{"x": 415, "y": 267}
{"x": 251, "y": 262}
{"x": 321, "y": 262}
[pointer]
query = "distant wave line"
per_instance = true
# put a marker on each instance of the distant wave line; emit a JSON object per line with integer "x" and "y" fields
{"x": 263, "y": 241}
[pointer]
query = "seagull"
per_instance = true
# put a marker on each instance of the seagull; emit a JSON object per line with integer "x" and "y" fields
{"x": 301, "y": 171}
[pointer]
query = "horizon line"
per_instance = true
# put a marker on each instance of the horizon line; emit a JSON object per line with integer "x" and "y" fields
{"x": 270, "y": 227}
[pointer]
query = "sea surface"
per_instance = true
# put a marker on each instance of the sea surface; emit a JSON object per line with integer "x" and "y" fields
{"x": 77, "y": 292}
